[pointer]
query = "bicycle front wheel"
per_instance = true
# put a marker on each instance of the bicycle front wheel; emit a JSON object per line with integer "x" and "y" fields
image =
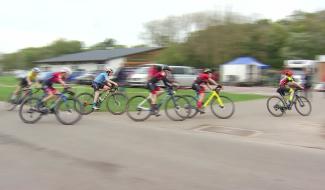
{"x": 177, "y": 108}
{"x": 303, "y": 106}
{"x": 138, "y": 108}
{"x": 276, "y": 106}
{"x": 192, "y": 105}
{"x": 11, "y": 103}
{"x": 68, "y": 111}
{"x": 29, "y": 112}
{"x": 225, "y": 111}
{"x": 116, "y": 103}
{"x": 86, "y": 100}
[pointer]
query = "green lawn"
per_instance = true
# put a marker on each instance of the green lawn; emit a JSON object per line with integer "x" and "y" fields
{"x": 7, "y": 85}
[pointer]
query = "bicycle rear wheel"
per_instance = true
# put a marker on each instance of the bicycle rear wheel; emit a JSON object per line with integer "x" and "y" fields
{"x": 177, "y": 108}
{"x": 138, "y": 108}
{"x": 192, "y": 105}
{"x": 303, "y": 106}
{"x": 116, "y": 103}
{"x": 276, "y": 106}
{"x": 224, "y": 112}
{"x": 68, "y": 111}
{"x": 86, "y": 100}
{"x": 29, "y": 112}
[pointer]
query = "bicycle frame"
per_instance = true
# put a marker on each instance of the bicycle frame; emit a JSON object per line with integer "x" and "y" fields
{"x": 161, "y": 102}
{"x": 212, "y": 95}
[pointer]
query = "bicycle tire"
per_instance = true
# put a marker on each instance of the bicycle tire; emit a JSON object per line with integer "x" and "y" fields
{"x": 270, "y": 107}
{"x": 32, "y": 110}
{"x": 86, "y": 99}
{"x": 177, "y": 107}
{"x": 193, "y": 104}
{"x": 120, "y": 101}
{"x": 305, "y": 101}
{"x": 227, "y": 102}
{"x": 75, "y": 104}
{"x": 132, "y": 107}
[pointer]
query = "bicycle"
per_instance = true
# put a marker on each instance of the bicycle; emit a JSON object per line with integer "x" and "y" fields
{"x": 23, "y": 93}
{"x": 221, "y": 106}
{"x": 115, "y": 101}
{"x": 66, "y": 108}
{"x": 139, "y": 107}
{"x": 281, "y": 105}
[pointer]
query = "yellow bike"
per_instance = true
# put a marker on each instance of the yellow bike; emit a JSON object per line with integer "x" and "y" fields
{"x": 221, "y": 106}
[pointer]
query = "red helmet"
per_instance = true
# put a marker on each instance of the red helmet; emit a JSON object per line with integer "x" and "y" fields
{"x": 288, "y": 73}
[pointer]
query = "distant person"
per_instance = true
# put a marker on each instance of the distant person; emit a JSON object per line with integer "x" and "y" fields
{"x": 27, "y": 81}
{"x": 199, "y": 85}
{"x": 102, "y": 83}
{"x": 287, "y": 85}
{"x": 307, "y": 82}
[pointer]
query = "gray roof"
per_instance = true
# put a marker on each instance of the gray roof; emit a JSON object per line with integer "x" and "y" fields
{"x": 98, "y": 55}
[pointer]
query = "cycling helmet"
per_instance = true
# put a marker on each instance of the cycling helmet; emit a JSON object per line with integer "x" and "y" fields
{"x": 166, "y": 67}
{"x": 288, "y": 73}
{"x": 36, "y": 70}
{"x": 207, "y": 71}
{"x": 66, "y": 70}
{"x": 108, "y": 69}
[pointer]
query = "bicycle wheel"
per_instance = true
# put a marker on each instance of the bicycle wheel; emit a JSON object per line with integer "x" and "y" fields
{"x": 177, "y": 108}
{"x": 138, "y": 108}
{"x": 29, "y": 112}
{"x": 224, "y": 112}
{"x": 116, "y": 103}
{"x": 86, "y": 100}
{"x": 303, "y": 106}
{"x": 11, "y": 104}
{"x": 192, "y": 105}
{"x": 276, "y": 106}
{"x": 68, "y": 111}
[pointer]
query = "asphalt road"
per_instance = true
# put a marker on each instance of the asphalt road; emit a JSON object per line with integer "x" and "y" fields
{"x": 252, "y": 151}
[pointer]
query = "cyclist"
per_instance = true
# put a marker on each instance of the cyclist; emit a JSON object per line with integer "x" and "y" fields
{"x": 27, "y": 81}
{"x": 162, "y": 74}
{"x": 204, "y": 79}
{"x": 287, "y": 84}
{"x": 50, "y": 79}
{"x": 102, "y": 82}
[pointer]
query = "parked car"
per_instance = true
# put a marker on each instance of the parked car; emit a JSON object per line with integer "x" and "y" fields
{"x": 183, "y": 75}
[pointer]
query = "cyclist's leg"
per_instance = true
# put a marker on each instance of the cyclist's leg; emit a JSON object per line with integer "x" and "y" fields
{"x": 291, "y": 93}
{"x": 96, "y": 88}
{"x": 200, "y": 91}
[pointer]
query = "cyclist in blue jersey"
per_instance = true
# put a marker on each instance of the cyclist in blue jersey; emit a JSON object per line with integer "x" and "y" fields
{"x": 102, "y": 83}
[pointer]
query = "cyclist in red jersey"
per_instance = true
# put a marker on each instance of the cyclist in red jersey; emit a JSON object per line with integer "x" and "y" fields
{"x": 204, "y": 79}
{"x": 58, "y": 78}
{"x": 160, "y": 75}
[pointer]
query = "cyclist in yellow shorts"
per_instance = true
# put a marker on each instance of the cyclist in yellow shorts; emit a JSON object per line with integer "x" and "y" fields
{"x": 27, "y": 81}
{"x": 287, "y": 85}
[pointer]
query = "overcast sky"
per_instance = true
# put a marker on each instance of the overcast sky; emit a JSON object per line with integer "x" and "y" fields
{"x": 39, "y": 22}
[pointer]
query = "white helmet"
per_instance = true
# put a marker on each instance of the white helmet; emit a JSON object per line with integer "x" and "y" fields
{"x": 108, "y": 69}
{"x": 36, "y": 70}
{"x": 66, "y": 70}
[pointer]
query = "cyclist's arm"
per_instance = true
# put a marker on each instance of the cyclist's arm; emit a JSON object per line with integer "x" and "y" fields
{"x": 111, "y": 82}
{"x": 29, "y": 81}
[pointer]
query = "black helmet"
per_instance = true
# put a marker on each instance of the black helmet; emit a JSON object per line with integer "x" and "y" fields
{"x": 207, "y": 71}
{"x": 166, "y": 67}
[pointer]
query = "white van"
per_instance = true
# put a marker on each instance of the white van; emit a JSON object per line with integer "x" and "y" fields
{"x": 298, "y": 66}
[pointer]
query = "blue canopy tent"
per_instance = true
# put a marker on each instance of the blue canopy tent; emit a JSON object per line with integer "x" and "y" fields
{"x": 247, "y": 61}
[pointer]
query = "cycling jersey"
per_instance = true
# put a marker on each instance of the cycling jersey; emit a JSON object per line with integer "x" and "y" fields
{"x": 52, "y": 78}
{"x": 285, "y": 81}
{"x": 202, "y": 78}
{"x": 101, "y": 78}
{"x": 31, "y": 76}
{"x": 198, "y": 86}
{"x": 152, "y": 83}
